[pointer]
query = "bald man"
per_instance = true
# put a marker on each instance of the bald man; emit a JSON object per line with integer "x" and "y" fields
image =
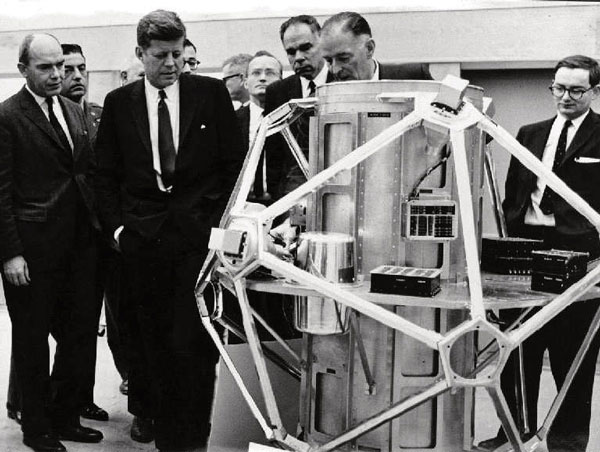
{"x": 47, "y": 244}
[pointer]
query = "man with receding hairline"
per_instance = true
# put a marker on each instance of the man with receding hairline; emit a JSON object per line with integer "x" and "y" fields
{"x": 349, "y": 48}
{"x": 169, "y": 153}
{"x": 47, "y": 244}
{"x": 300, "y": 37}
{"x": 263, "y": 70}
{"x": 234, "y": 71}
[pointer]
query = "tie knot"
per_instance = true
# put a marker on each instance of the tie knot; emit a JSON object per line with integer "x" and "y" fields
{"x": 49, "y": 101}
{"x": 162, "y": 94}
{"x": 311, "y": 86}
{"x": 568, "y": 124}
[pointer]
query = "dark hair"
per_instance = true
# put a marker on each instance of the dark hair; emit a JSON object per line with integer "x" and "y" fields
{"x": 268, "y": 54}
{"x": 581, "y": 62}
{"x": 241, "y": 59}
{"x": 160, "y": 25}
{"x": 350, "y": 21}
{"x": 68, "y": 49}
{"x": 188, "y": 43}
{"x": 26, "y": 45}
{"x": 302, "y": 19}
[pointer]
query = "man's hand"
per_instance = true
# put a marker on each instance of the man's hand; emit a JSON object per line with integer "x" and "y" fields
{"x": 16, "y": 271}
{"x": 284, "y": 233}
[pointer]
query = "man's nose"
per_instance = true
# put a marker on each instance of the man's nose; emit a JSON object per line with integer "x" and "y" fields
{"x": 299, "y": 55}
{"x": 169, "y": 60}
{"x": 335, "y": 67}
{"x": 56, "y": 72}
{"x": 77, "y": 74}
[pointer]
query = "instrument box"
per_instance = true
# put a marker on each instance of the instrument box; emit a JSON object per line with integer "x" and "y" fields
{"x": 556, "y": 270}
{"x": 560, "y": 262}
{"x": 508, "y": 255}
{"x": 391, "y": 279}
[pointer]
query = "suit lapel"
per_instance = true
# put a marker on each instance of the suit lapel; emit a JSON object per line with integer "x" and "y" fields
{"x": 34, "y": 112}
{"x": 538, "y": 143}
{"x": 188, "y": 103}
{"x": 585, "y": 131}
{"x": 296, "y": 88}
{"x": 74, "y": 127}
{"x": 245, "y": 125}
{"x": 140, "y": 113}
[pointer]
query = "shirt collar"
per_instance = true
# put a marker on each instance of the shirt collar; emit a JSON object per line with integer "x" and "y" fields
{"x": 376, "y": 73}
{"x": 39, "y": 99}
{"x": 172, "y": 91}
{"x": 319, "y": 80}
{"x": 575, "y": 122}
{"x": 255, "y": 110}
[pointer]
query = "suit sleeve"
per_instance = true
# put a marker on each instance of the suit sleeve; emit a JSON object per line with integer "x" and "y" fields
{"x": 10, "y": 242}
{"x": 276, "y": 148}
{"x": 512, "y": 185}
{"x": 108, "y": 169}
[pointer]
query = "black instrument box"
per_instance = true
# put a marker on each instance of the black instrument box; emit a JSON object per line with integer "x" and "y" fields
{"x": 391, "y": 279}
{"x": 508, "y": 255}
{"x": 555, "y": 270}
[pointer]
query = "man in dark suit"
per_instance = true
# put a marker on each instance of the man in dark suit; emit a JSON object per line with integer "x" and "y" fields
{"x": 569, "y": 143}
{"x": 47, "y": 244}
{"x": 349, "y": 48}
{"x": 263, "y": 70}
{"x": 300, "y": 38}
{"x": 169, "y": 152}
{"x": 74, "y": 87}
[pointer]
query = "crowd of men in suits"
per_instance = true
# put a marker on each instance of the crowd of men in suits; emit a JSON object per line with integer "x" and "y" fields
{"x": 116, "y": 204}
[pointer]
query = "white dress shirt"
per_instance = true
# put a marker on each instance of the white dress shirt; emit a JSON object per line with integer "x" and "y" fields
{"x": 172, "y": 101}
{"x": 256, "y": 116}
{"x": 57, "y": 109}
{"x": 534, "y": 215}
{"x": 319, "y": 80}
{"x": 376, "y": 72}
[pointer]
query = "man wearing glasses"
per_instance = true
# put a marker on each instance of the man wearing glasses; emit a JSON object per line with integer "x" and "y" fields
{"x": 190, "y": 62}
{"x": 234, "y": 71}
{"x": 569, "y": 143}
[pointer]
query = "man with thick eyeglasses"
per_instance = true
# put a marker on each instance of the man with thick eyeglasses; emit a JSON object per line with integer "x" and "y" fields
{"x": 569, "y": 143}
{"x": 234, "y": 71}
{"x": 190, "y": 62}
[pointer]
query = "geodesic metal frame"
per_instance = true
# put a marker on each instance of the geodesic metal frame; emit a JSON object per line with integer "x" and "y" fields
{"x": 231, "y": 269}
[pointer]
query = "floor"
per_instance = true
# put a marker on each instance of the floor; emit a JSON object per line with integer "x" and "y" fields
{"x": 116, "y": 431}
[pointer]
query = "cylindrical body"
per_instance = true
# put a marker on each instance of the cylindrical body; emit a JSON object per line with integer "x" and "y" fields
{"x": 401, "y": 206}
{"x": 328, "y": 255}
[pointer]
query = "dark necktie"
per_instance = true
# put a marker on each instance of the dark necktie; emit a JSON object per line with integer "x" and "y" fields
{"x": 62, "y": 137}
{"x": 166, "y": 148}
{"x": 547, "y": 203}
{"x": 312, "y": 88}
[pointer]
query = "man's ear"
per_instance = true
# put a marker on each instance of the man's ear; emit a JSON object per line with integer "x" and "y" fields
{"x": 245, "y": 82}
{"x": 23, "y": 69}
{"x": 595, "y": 92}
{"x": 370, "y": 45}
{"x": 138, "y": 53}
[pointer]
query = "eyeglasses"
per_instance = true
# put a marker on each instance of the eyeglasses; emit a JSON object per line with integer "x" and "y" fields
{"x": 192, "y": 63}
{"x": 228, "y": 77}
{"x": 574, "y": 93}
